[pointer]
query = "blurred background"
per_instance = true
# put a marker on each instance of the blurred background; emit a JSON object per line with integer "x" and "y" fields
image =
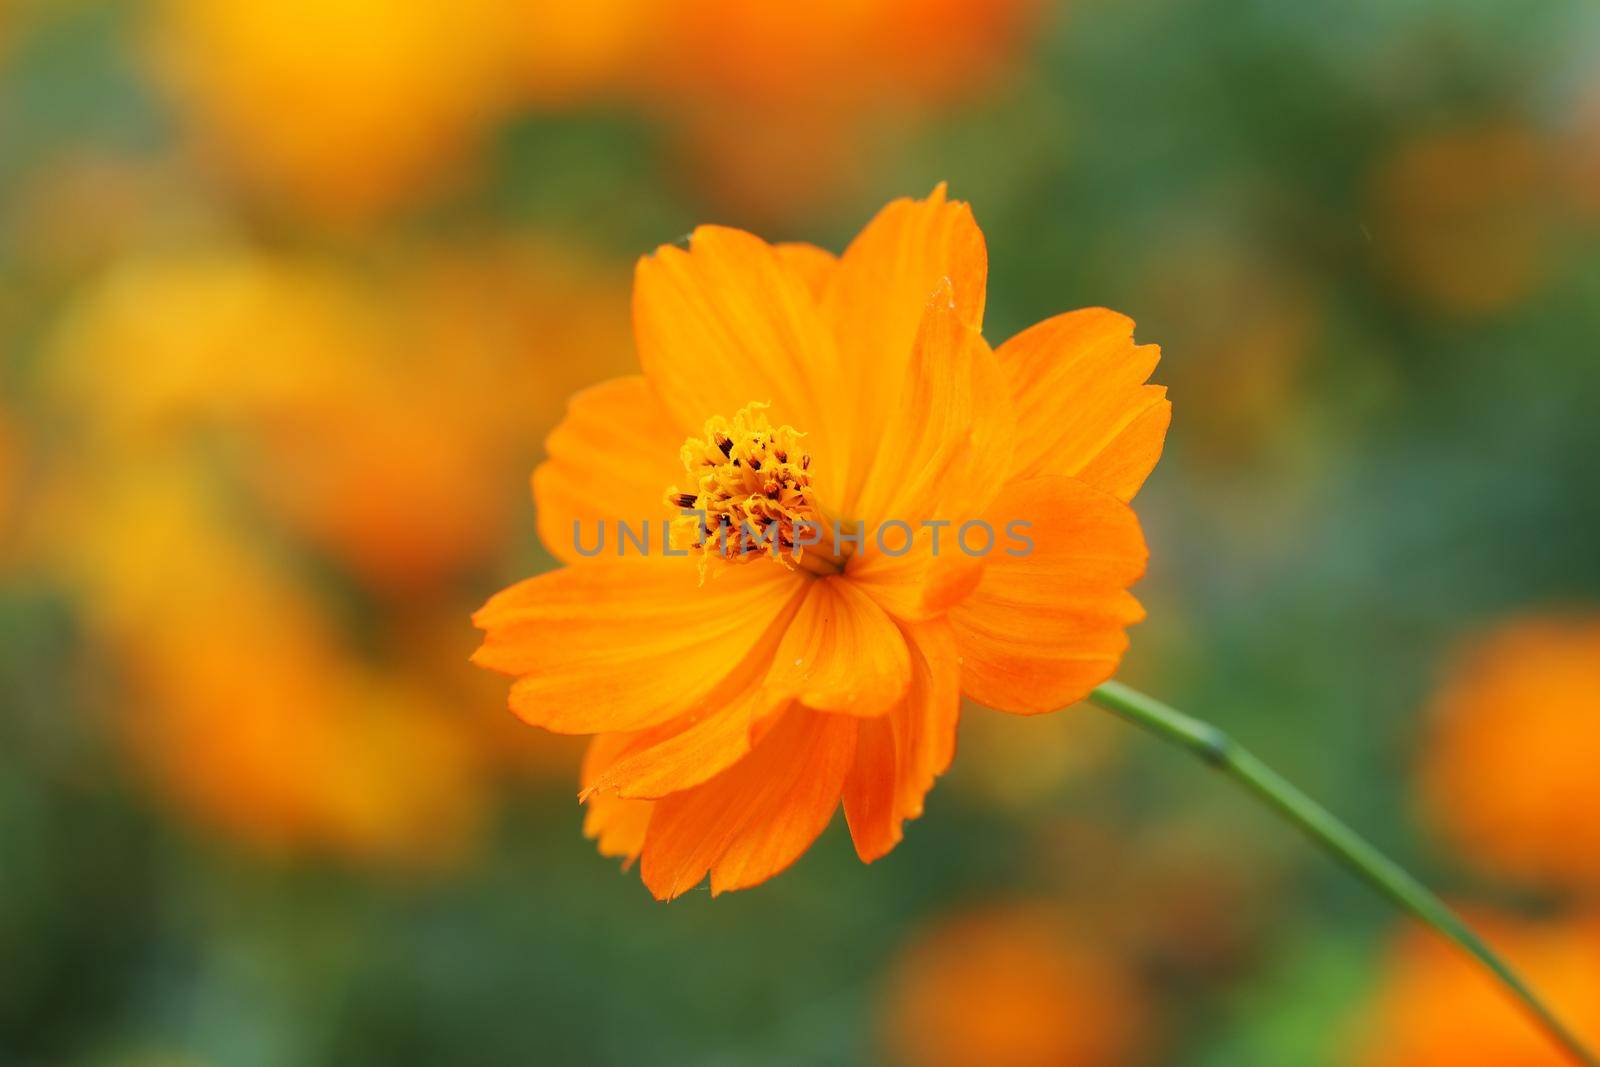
{"x": 291, "y": 292}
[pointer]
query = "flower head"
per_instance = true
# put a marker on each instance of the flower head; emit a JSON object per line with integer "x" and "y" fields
{"x": 959, "y": 516}
{"x": 749, "y": 478}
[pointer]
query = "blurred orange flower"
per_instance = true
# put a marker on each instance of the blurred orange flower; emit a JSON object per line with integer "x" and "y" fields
{"x": 405, "y": 480}
{"x": 1009, "y": 986}
{"x": 1509, "y": 767}
{"x": 379, "y": 420}
{"x": 1462, "y": 218}
{"x": 565, "y": 54}
{"x": 313, "y": 751}
{"x": 235, "y": 413}
{"x": 736, "y": 700}
{"x": 779, "y": 103}
{"x": 1436, "y": 1008}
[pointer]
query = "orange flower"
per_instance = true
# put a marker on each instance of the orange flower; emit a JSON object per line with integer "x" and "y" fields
{"x": 1007, "y": 987}
{"x": 736, "y": 699}
{"x": 1435, "y": 1008}
{"x": 1509, "y": 771}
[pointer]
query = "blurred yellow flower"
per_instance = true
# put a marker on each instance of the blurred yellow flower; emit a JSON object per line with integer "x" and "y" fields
{"x": 380, "y": 420}
{"x": 345, "y": 107}
{"x": 1509, "y": 768}
{"x": 236, "y": 415}
{"x": 351, "y": 108}
{"x": 211, "y": 337}
{"x": 1011, "y": 985}
{"x": 1434, "y": 1008}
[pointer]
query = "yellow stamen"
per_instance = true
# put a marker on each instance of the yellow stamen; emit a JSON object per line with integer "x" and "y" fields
{"x": 751, "y": 484}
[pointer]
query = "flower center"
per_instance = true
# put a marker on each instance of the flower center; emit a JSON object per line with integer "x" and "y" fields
{"x": 749, "y": 488}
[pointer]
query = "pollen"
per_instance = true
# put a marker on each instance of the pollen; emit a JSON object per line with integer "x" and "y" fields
{"x": 749, "y": 490}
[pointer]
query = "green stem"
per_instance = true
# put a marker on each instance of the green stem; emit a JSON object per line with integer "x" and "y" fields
{"x": 1217, "y": 749}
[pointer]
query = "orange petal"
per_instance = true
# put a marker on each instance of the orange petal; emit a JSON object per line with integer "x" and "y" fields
{"x": 1043, "y": 629}
{"x": 756, "y": 818}
{"x": 948, "y": 429}
{"x": 899, "y": 755}
{"x": 627, "y": 644}
{"x": 876, "y": 299}
{"x": 617, "y": 826}
{"x": 942, "y": 444}
{"x": 1082, "y": 407}
{"x": 933, "y": 576}
{"x": 700, "y": 745}
{"x": 841, "y": 653}
{"x": 729, "y": 322}
{"x": 815, "y": 265}
{"x": 611, "y": 459}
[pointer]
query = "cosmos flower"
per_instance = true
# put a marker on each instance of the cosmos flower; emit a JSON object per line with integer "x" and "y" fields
{"x": 1434, "y": 1009}
{"x": 735, "y": 699}
{"x": 1509, "y": 770}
